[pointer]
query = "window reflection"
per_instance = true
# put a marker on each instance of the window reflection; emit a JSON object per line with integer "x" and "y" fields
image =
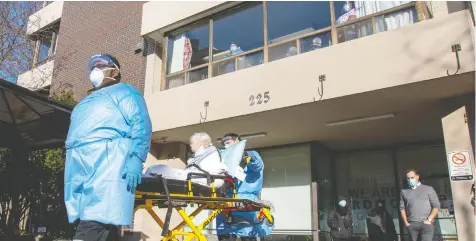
{"x": 282, "y": 51}
{"x": 188, "y": 49}
{"x": 354, "y": 31}
{"x": 316, "y": 42}
{"x": 237, "y": 31}
{"x": 224, "y": 67}
{"x": 290, "y": 19}
{"x": 250, "y": 60}
{"x": 197, "y": 75}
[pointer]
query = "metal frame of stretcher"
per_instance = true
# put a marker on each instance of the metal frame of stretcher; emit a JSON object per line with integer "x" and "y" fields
{"x": 222, "y": 205}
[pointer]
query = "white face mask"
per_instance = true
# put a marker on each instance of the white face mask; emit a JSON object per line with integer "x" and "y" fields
{"x": 233, "y": 48}
{"x": 227, "y": 145}
{"x": 97, "y": 76}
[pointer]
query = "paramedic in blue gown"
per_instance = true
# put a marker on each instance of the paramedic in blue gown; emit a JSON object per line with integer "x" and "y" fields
{"x": 244, "y": 225}
{"x": 108, "y": 141}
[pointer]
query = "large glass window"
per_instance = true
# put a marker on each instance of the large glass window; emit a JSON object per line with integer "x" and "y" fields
{"x": 292, "y": 28}
{"x": 188, "y": 48}
{"x": 365, "y": 179}
{"x": 291, "y": 19}
{"x": 287, "y": 182}
{"x": 235, "y": 32}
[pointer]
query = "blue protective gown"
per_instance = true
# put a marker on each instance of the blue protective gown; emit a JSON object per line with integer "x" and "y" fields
{"x": 108, "y": 128}
{"x": 250, "y": 189}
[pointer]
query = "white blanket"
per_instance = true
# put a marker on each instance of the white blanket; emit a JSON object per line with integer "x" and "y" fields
{"x": 208, "y": 160}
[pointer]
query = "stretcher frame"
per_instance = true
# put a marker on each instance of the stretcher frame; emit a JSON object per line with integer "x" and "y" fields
{"x": 219, "y": 205}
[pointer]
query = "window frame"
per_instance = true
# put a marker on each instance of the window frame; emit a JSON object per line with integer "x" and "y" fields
{"x": 417, "y": 5}
{"x": 54, "y": 31}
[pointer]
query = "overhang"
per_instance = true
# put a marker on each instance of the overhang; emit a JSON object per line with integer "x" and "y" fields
{"x": 30, "y": 120}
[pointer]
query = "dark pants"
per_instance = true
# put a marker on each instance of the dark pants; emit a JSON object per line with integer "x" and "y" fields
{"x": 233, "y": 238}
{"x": 420, "y": 229}
{"x": 95, "y": 231}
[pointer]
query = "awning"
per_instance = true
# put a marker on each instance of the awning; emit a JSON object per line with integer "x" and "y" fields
{"x": 30, "y": 120}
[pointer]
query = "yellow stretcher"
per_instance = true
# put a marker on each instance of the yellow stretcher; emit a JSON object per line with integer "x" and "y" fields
{"x": 177, "y": 194}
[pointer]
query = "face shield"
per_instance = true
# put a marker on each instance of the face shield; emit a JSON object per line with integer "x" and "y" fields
{"x": 227, "y": 141}
{"x": 96, "y": 66}
{"x": 101, "y": 62}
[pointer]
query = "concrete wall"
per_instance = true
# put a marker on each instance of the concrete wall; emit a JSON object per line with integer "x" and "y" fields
{"x": 152, "y": 75}
{"x": 45, "y": 16}
{"x": 410, "y": 54}
{"x": 89, "y": 28}
{"x": 38, "y": 77}
{"x": 158, "y": 15}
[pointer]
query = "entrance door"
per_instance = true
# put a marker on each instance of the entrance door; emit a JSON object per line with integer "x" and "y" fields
{"x": 460, "y": 158}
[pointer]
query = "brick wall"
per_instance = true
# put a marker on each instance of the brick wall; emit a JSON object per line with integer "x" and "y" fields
{"x": 88, "y": 28}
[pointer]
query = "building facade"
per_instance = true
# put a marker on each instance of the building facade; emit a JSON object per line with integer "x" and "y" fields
{"x": 339, "y": 98}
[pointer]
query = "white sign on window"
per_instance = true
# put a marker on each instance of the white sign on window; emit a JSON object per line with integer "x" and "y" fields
{"x": 460, "y": 166}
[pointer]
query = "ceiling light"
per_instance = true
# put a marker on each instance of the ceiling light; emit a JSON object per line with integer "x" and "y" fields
{"x": 360, "y": 119}
{"x": 249, "y": 136}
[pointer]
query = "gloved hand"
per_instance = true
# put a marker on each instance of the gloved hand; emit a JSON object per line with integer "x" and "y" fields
{"x": 133, "y": 173}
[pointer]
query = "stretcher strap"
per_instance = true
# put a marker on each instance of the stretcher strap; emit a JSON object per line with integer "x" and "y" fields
{"x": 166, "y": 230}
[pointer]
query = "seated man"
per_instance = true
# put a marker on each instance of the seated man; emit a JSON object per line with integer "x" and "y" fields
{"x": 206, "y": 159}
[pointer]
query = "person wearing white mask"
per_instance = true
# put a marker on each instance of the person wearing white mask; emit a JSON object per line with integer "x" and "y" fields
{"x": 340, "y": 221}
{"x": 206, "y": 159}
{"x": 108, "y": 141}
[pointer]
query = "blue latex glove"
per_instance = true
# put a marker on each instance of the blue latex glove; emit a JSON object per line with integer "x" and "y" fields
{"x": 133, "y": 173}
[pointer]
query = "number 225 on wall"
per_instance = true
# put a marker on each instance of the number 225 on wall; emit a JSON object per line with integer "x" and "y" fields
{"x": 260, "y": 98}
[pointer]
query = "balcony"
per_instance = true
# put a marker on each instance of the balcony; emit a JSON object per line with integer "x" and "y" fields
{"x": 410, "y": 54}
{"x": 49, "y": 14}
{"x": 37, "y": 78}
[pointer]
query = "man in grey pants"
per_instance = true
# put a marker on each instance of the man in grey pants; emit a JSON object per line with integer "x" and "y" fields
{"x": 419, "y": 206}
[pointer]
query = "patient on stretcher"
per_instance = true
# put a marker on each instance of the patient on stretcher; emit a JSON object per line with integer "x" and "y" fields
{"x": 206, "y": 160}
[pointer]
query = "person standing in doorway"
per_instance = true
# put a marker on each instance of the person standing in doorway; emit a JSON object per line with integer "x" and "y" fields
{"x": 340, "y": 221}
{"x": 245, "y": 225}
{"x": 419, "y": 206}
{"x": 108, "y": 141}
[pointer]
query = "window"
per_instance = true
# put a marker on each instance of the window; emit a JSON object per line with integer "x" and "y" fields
{"x": 188, "y": 49}
{"x": 234, "y": 33}
{"x": 290, "y": 19}
{"x": 355, "y": 31}
{"x": 46, "y": 43}
{"x": 44, "y": 49}
{"x": 349, "y": 10}
{"x": 242, "y": 37}
{"x": 395, "y": 20}
{"x": 292, "y": 178}
{"x": 315, "y": 42}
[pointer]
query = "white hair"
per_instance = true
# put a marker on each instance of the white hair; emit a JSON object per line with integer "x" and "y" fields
{"x": 203, "y": 138}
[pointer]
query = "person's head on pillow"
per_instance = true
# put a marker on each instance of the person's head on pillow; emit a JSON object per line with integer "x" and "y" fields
{"x": 200, "y": 141}
{"x": 229, "y": 139}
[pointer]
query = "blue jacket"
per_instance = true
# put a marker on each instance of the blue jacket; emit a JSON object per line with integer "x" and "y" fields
{"x": 248, "y": 189}
{"x": 108, "y": 128}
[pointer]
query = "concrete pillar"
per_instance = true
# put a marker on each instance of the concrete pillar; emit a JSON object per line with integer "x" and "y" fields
{"x": 459, "y": 150}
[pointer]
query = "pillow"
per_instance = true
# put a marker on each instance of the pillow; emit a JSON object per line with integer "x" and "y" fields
{"x": 232, "y": 156}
